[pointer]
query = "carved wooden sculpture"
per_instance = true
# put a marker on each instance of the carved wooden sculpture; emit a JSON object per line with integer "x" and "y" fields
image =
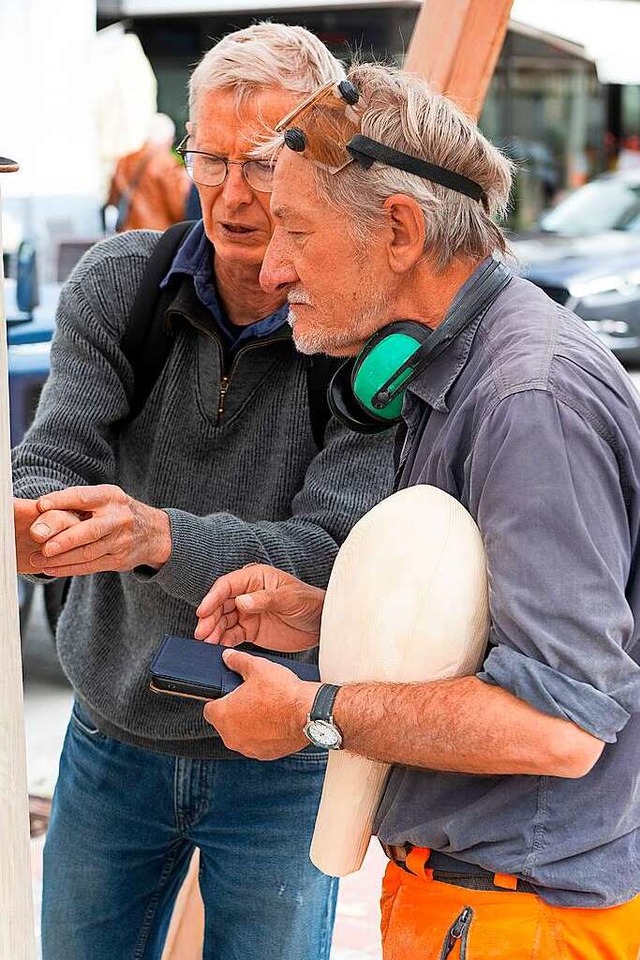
{"x": 407, "y": 601}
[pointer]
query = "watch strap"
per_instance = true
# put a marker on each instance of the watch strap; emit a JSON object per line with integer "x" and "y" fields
{"x": 322, "y": 706}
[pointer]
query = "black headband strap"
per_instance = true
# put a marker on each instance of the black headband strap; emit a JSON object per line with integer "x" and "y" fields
{"x": 365, "y": 151}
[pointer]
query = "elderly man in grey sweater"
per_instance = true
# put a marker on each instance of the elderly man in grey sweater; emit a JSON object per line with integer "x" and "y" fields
{"x": 219, "y": 469}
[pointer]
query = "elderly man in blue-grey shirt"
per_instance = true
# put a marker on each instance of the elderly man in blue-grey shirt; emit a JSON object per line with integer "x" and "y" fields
{"x": 511, "y": 818}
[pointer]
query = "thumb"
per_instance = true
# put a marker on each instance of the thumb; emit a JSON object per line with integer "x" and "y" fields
{"x": 261, "y": 601}
{"x": 239, "y": 662}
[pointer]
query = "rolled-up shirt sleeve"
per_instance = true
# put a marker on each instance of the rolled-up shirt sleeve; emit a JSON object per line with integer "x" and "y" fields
{"x": 545, "y": 487}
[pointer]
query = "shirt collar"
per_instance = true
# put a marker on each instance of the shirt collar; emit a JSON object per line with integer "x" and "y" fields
{"x": 435, "y": 381}
{"x": 195, "y": 259}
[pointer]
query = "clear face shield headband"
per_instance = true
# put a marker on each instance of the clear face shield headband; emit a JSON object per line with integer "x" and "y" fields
{"x": 325, "y": 129}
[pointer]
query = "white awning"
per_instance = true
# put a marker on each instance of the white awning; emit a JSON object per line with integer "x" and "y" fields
{"x": 608, "y": 30}
{"x": 145, "y": 8}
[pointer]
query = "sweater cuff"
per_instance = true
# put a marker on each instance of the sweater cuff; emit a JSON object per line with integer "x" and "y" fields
{"x": 187, "y": 572}
{"x": 34, "y": 489}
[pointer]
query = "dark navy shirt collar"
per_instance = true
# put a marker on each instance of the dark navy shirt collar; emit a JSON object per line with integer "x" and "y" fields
{"x": 195, "y": 259}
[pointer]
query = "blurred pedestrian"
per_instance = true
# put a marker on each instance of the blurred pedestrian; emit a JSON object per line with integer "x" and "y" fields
{"x": 149, "y": 187}
{"x": 629, "y": 156}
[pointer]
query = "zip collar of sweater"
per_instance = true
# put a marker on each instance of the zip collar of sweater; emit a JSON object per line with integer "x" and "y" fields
{"x": 194, "y": 259}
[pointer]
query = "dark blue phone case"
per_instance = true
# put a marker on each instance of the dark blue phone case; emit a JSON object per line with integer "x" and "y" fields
{"x": 193, "y": 668}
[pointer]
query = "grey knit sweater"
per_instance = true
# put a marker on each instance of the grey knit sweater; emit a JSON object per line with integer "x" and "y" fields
{"x": 245, "y": 485}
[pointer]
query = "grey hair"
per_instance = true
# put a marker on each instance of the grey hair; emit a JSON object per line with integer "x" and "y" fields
{"x": 264, "y": 55}
{"x": 403, "y": 112}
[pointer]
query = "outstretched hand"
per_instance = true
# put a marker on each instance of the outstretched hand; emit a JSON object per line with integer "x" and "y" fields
{"x": 111, "y": 531}
{"x": 262, "y": 605}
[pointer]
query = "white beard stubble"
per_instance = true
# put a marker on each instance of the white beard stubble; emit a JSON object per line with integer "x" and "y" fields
{"x": 358, "y": 327}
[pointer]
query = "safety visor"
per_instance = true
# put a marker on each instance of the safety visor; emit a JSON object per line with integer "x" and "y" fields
{"x": 321, "y": 126}
{"x": 325, "y": 128}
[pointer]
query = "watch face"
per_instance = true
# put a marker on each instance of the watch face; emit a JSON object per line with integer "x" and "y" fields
{"x": 323, "y": 734}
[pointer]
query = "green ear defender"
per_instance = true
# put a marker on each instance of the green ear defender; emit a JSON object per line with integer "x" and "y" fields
{"x": 379, "y": 364}
{"x": 366, "y": 394}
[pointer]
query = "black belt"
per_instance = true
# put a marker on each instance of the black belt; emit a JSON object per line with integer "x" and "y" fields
{"x": 447, "y": 869}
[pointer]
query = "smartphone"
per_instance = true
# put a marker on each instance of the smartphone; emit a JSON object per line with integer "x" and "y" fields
{"x": 192, "y": 668}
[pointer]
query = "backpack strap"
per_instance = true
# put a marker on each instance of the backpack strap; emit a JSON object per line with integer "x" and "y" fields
{"x": 146, "y": 343}
{"x": 320, "y": 370}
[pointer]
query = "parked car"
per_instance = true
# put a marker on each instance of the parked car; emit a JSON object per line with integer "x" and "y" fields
{"x": 585, "y": 254}
{"x": 30, "y": 324}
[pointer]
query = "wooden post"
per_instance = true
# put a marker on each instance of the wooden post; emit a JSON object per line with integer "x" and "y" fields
{"x": 455, "y": 44}
{"x": 17, "y": 934}
{"x": 186, "y": 930}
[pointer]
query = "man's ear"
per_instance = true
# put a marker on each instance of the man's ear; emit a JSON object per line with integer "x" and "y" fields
{"x": 405, "y": 223}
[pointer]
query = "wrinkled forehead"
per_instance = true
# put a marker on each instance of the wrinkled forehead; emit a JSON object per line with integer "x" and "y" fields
{"x": 295, "y": 190}
{"x": 223, "y": 114}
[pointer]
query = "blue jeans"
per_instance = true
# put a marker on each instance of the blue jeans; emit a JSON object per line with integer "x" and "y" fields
{"x": 124, "y": 824}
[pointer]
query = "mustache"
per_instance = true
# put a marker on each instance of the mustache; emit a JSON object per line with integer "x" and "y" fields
{"x": 297, "y": 295}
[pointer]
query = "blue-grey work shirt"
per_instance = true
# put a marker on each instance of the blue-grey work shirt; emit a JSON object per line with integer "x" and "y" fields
{"x": 534, "y": 427}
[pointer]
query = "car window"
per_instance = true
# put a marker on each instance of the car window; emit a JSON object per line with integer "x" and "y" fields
{"x": 633, "y": 226}
{"x": 612, "y": 204}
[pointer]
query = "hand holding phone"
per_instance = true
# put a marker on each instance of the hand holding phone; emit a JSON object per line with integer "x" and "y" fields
{"x": 190, "y": 668}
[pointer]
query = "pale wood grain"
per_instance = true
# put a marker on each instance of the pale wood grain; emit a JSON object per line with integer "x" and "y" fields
{"x": 407, "y": 601}
{"x": 186, "y": 931}
{"x": 17, "y": 936}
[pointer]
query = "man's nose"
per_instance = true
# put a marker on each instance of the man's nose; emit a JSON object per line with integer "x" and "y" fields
{"x": 235, "y": 188}
{"x": 276, "y": 271}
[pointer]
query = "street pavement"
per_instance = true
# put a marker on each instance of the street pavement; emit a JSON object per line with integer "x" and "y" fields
{"x": 47, "y": 703}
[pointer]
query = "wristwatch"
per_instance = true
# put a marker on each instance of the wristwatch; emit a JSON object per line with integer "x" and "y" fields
{"x": 320, "y": 727}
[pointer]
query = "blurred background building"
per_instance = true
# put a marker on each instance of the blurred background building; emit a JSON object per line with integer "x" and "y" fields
{"x": 88, "y": 75}
{"x": 565, "y": 95}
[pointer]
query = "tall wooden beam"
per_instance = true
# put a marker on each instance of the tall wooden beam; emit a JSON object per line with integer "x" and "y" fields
{"x": 455, "y": 44}
{"x": 186, "y": 930}
{"x": 17, "y": 933}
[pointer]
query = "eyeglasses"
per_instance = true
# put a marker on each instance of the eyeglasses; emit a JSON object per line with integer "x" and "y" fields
{"x": 322, "y": 125}
{"x": 207, "y": 170}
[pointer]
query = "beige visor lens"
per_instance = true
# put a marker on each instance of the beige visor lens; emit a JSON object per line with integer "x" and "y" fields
{"x": 328, "y": 123}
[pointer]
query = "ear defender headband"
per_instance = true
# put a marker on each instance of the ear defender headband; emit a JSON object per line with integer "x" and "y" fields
{"x": 366, "y": 394}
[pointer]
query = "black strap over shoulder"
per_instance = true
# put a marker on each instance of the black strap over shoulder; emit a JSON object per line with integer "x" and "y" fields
{"x": 146, "y": 343}
{"x": 320, "y": 370}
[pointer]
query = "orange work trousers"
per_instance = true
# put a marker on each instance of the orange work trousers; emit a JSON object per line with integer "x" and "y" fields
{"x": 419, "y": 923}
